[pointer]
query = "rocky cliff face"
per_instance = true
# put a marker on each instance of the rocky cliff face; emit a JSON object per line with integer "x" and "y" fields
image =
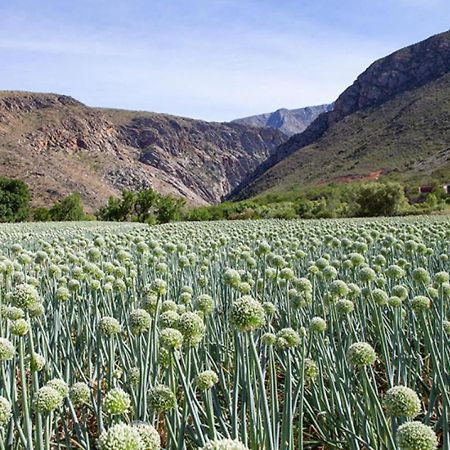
{"x": 289, "y": 121}
{"x": 402, "y": 71}
{"x": 58, "y": 145}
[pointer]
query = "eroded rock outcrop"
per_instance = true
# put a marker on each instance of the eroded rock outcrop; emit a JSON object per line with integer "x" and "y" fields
{"x": 59, "y": 145}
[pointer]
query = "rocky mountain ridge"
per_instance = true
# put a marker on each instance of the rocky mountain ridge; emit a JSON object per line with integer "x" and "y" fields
{"x": 289, "y": 121}
{"x": 59, "y": 145}
{"x": 403, "y": 71}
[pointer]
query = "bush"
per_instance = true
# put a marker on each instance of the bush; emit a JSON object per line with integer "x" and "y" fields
{"x": 169, "y": 209}
{"x": 15, "y": 198}
{"x": 112, "y": 211}
{"x": 41, "y": 214}
{"x": 68, "y": 209}
{"x": 379, "y": 199}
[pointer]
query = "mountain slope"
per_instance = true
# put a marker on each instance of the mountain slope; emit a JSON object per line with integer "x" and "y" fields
{"x": 58, "y": 145}
{"x": 394, "y": 114}
{"x": 289, "y": 121}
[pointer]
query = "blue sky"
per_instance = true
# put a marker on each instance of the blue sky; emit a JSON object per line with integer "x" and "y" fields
{"x": 209, "y": 59}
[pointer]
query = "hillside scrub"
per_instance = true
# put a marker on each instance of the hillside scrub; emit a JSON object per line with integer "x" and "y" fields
{"x": 331, "y": 201}
{"x": 148, "y": 206}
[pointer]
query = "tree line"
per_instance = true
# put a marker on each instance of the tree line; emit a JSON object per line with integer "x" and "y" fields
{"x": 148, "y": 206}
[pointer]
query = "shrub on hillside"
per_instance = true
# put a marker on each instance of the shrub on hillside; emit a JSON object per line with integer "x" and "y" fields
{"x": 68, "y": 209}
{"x": 379, "y": 199}
{"x": 15, "y": 198}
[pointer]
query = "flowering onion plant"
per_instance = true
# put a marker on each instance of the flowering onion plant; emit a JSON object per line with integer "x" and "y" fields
{"x": 228, "y": 335}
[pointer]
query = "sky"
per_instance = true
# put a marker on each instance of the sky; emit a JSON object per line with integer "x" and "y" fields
{"x": 208, "y": 59}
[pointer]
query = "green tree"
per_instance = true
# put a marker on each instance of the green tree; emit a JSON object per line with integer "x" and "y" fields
{"x": 169, "y": 209}
{"x": 69, "y": 208}
{"x": 41, "y": 214}
{"x": 127, "y": 205}
{"x": 379, "y": 199}
{"x": 15, "y": 198}
{"x": 119, "y": 209}
{"x": 146, "y": 205}
{"x": 112, "y": 211}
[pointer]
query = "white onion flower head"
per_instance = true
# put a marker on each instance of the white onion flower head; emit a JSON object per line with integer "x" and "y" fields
{"x": 13, "y": 313}
{"x": 205, "y": 304}
{"x": 36, "y": 310}
{"x": 47, "y": 399}
{"x": 19, "y": 327}
{"x": 287, "y": 338}
{"x": 117, "y": 402}
{"x": 159, "y": 286}
{"x": 446, "y": 326}
{"x": 395, "y": 272}
{"x": 121, "y": 437}
{"x": 149, "y": 435}
{"x": 361, "y": 354}
{"x": 150, "y": 302}
{"x": 161, "y": 398}
{"x": 36, "y": 362}
{"x": 224, "y": 444}
{"x": 109, "y": 326}
{"x": 400, "y": 291}
{"x": 269, "y": 308}
{"x": 171, "y": 339}
{"x": 380, "y": 297}
{"x": 416, "y": 436}
{"x": 339, "y": 288}
{"x": 168, "y": 305}
{"x": 80, "y": 394}
{"x": 232, "y": 277}
{"x": 421, "y": 275}
{"x": 420, "y": 304}
{"x": 24, "y": 296}
{"x": 5, "y": 411}
{"x": 401, "y": 401}
{"x": 62, "y": 294}
{"x": 310, "y": 369}
{"x": 394, "y": 301}
{"x": 7, "y": 349}
{"x": 247, "y": 314}
{"x": 185, "y": 298}
{"x": 303, "y": 285}
{"x": 367, "y": 274}
{"x": 441, "y": 278}
{"x": 60, "y": 386}
{"x": 134, "y": 375}
{"x": 268, "y": 339}
{"x": 192, "y": 328}
{"x": 168, "y": 319}
{"x": 140, "y": 321}
{"x": 318, "y": 325}
{"x": 206, "y": 380}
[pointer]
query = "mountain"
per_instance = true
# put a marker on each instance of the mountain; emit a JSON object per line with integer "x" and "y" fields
{"x": 58, "y": 146}
{"x": 393, "y": 121}
{"x": 289, "y": 121}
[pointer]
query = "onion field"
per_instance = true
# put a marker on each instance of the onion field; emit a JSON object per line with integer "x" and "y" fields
{"x": 271, "y": 334}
